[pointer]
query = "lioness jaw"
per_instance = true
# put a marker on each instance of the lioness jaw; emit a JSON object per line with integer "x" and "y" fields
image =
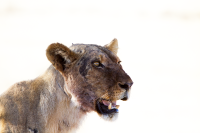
{"x": 82, "y": 78}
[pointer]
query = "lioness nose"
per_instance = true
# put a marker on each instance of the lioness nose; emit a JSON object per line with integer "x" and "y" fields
{"x": 125, "y": 86}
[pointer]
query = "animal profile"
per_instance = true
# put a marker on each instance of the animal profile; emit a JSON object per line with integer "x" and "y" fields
{"x": 81, "y": 79}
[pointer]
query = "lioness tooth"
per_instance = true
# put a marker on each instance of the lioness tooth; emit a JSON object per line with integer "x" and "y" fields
{"x": 117, "y": 106}
{"x": 110, "y": 106}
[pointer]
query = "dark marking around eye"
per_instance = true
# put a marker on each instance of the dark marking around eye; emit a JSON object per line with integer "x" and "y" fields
{"x": 100, "y": 65}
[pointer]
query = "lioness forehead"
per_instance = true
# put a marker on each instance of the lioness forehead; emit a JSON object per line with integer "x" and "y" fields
{"x": 89, "y": 48}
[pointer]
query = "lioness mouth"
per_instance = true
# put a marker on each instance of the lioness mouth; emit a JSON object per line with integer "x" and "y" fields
{"x": 106, "y": 107}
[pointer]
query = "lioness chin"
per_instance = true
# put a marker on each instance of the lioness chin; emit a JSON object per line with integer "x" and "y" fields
{"x": 81, "y": 79}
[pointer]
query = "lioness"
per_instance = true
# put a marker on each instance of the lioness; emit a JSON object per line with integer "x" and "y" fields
{"x": 81, "y": 79}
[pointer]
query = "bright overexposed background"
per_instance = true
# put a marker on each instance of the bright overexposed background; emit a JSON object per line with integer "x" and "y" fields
{"x": 159, "y": 45}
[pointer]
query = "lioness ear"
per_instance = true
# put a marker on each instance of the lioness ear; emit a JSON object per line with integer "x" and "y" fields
{"x": 60, "y": 56}
{"x": 113, "y": 46}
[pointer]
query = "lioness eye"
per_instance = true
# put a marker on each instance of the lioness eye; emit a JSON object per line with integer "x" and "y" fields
{"x": 96, "y": 63}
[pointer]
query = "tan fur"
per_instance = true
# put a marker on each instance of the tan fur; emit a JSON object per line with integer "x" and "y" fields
{"x": 58, "y": 100}
{"x": 113, "y": 46}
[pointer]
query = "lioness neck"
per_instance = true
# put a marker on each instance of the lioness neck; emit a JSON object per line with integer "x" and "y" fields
{"x": 62, "y": 114}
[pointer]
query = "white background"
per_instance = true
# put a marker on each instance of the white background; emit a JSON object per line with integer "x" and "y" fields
{"x": 159, "y": 44}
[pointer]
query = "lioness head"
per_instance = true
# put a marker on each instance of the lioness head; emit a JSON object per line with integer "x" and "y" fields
{"x": 93, "y": 75}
